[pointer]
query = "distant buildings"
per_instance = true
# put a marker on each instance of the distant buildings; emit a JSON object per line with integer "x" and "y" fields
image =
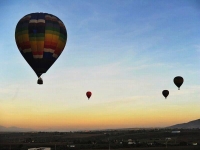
{"x": 176, "y": 131}
{"x": 70, "y": 145}
{"x": 40, "y": 148}
{"x": 167, "y": 139}
{"x": 130, "y": 142}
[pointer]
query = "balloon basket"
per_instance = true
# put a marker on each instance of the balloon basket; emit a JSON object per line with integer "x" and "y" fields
{"x": 40, "y": 81}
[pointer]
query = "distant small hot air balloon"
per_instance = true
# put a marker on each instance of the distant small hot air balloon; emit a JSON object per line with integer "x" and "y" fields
{"x": 178, "y": 81}
{"x": 165, "y": 93}
{"x": 88, "y": 94}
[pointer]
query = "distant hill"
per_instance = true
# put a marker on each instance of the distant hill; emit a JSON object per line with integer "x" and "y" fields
{"x": 14, "y": 129}
{"x": 188, "y": 125}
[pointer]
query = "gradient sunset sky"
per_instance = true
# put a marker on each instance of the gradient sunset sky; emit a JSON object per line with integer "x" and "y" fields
{"x": 125, "y": 52}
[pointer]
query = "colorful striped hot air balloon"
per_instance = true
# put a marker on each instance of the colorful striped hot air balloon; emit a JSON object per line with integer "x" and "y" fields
{"x": 41, "y": 38}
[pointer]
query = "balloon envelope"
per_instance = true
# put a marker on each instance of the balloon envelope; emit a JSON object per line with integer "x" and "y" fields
{"x": 178, "y": 81}
{"x": 41, "y": 38}
{"x": 89, "y": 94}
{"x": 165, "y": 93}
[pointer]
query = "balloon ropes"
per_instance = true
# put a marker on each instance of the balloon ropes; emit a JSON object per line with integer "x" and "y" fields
{"x": 40, "y": 38}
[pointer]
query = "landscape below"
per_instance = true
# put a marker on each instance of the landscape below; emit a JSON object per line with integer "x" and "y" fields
{"x": 158, "y": 139}
{"x": 185, "y": 136}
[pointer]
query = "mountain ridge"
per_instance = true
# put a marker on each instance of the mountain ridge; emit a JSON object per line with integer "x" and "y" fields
{"x": 188, "y": 125}
{"x": 14, "y": 129}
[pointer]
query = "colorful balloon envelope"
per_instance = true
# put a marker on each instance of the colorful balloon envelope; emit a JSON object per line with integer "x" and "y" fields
{"x": 178, "y": 81}
{"x": 89, "y": 94}
{"x": 165, "y": 93}
{"x": 40, "y": 38}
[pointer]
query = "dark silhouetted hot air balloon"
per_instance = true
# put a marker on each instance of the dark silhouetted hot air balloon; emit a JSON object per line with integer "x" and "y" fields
{"x": 89, "y": 94}
{"x": 41, "y": 38}
{"x": 165, "y": 93}
{"x": 178, "y": 81}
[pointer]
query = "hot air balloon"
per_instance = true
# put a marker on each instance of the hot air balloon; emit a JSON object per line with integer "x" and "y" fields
{"x": 40, "y": 38}
{"x": 89, "y": 94}
{"x": 178, "y": 81}
{"x": 165, "y": 93}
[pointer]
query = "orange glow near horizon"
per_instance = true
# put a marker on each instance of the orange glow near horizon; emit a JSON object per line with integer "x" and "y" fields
{"x": 98, "y": 119}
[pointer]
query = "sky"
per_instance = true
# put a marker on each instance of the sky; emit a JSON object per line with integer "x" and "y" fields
{"x": 125, "y": 52}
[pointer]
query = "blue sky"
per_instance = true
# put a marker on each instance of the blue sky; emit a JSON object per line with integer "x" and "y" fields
{"x": 125, "y": 52}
